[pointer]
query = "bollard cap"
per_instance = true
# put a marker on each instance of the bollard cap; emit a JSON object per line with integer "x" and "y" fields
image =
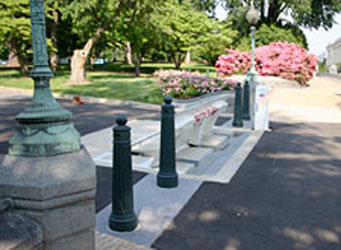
{"x": 167, "y": 99}
{"x": 121, "y": 119}
{"x": 238, "y": 84}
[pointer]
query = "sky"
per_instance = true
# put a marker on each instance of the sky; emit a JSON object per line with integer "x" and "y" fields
{"x": 317, "y": 39}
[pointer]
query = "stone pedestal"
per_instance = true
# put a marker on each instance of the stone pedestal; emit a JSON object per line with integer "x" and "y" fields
{"x": 57, "y": 192}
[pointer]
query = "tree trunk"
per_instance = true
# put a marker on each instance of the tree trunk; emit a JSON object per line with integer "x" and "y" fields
{"x": 16, "y": 58}
{"x": 92, "y": 62}
{"x": 188, "y": 57}
{"x": 177, "y": 65}
{"x": 128, "y": 57}
{"x": 178, "y": 58}
{"x": 137, "y": 62}
{"x": 78, "y": 67}
{"x": 53, "y": 54}
{"x": 273, "y": 12}
{"x": 262, "y": 10}
{"x": 13, "y": 60}
{"x": 78, "y": 60}
{"x": 24, "y": 66}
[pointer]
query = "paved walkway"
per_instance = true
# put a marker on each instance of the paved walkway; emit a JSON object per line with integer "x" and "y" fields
{"x": 321, "y": 102}
{"x": 286, "y": 195}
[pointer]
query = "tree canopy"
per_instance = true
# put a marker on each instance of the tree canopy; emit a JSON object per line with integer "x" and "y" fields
{"x": 306, "y": 13}
{"x": 15, "y": 29}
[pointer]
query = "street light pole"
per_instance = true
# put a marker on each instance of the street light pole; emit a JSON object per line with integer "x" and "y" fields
{"x": 252, "y": 17}
{"x": 252, "y": 74}
{"x": 44, "y": 128}
{"x": 51, "y": 179}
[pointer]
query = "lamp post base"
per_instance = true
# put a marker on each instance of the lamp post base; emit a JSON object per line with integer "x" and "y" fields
{"x": 167, "y": 180}
{"x": 57, "y": 192}
{"x": 251, "y": 76}
{"x": 123, "y": 223}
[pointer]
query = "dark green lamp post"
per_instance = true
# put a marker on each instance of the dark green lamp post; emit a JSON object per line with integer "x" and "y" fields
{"x": 44, "y": 128}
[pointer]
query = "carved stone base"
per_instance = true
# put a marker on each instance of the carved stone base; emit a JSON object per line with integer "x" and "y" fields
{"x": 55, "y": 191}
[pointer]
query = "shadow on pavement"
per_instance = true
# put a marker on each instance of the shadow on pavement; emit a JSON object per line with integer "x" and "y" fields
{"x": 287, "y": 195}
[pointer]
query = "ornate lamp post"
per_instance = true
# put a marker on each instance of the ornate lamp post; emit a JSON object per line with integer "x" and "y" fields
{"x": 252, "y": 17}
{"x": 44, "y": 128}
{"x": 49, "y": 176}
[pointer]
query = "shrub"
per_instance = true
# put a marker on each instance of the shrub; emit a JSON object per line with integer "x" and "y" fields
{"x": 283, "y": 59}
{"x": 182, "y": 84}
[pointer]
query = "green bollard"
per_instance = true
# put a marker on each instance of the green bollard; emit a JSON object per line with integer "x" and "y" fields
{"x": 237, "y": 118}
{"x": 122, "y": 218}
{"x": 246, "y": 101}
{"x": 167, "y": 176}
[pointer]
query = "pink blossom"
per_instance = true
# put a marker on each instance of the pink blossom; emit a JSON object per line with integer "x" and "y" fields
{"x": 287, "y": 60}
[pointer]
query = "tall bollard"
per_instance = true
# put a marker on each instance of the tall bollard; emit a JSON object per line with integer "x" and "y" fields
{"x": 122, "y": 217}
{"x": 237, "y": 118}
{"x": 246, "y": 101}
{"x": 167, "y": 176}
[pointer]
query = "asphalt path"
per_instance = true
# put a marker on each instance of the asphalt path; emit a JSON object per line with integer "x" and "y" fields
{"x": 286, "y": 195}
{"x": 89, "y": 117}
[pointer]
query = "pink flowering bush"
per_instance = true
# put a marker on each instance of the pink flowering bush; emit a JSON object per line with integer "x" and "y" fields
{"x": 182, "y": 84}
{"x": 283, "y": 59}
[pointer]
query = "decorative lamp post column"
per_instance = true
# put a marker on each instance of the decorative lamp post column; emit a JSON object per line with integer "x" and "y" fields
{"x": 252, "y": 17}
{"x": 44, "y": 128}
{"x": 50, "y": 178}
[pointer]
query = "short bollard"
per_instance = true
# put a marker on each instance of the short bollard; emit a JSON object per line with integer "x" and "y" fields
{"x": 122, "y": 217}
{"x": 237, "y": 118}
{"x": 167, "y": 176}
{"x": 246, "y": 101}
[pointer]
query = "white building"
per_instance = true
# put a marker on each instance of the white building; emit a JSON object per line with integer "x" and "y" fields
{"x": 334, "y": 55}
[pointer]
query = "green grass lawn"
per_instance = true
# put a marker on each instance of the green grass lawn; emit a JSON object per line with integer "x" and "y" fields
{"x": 102, "y": 84}
{"x": 114, "y": 81}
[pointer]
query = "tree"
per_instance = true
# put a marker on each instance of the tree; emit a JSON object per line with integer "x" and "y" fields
{"x": 306, "y": 13}
{"x": 90, "y": 20}
{"x": 213, "y": 43}
{"x": 53, "y": 9}
{"x": 15, "y": 28}
{"x": 181, "y": 27}
{"x": 266, "y": 34}
{"x": 205, "y": 5}
{"x": 139, "y": 27}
